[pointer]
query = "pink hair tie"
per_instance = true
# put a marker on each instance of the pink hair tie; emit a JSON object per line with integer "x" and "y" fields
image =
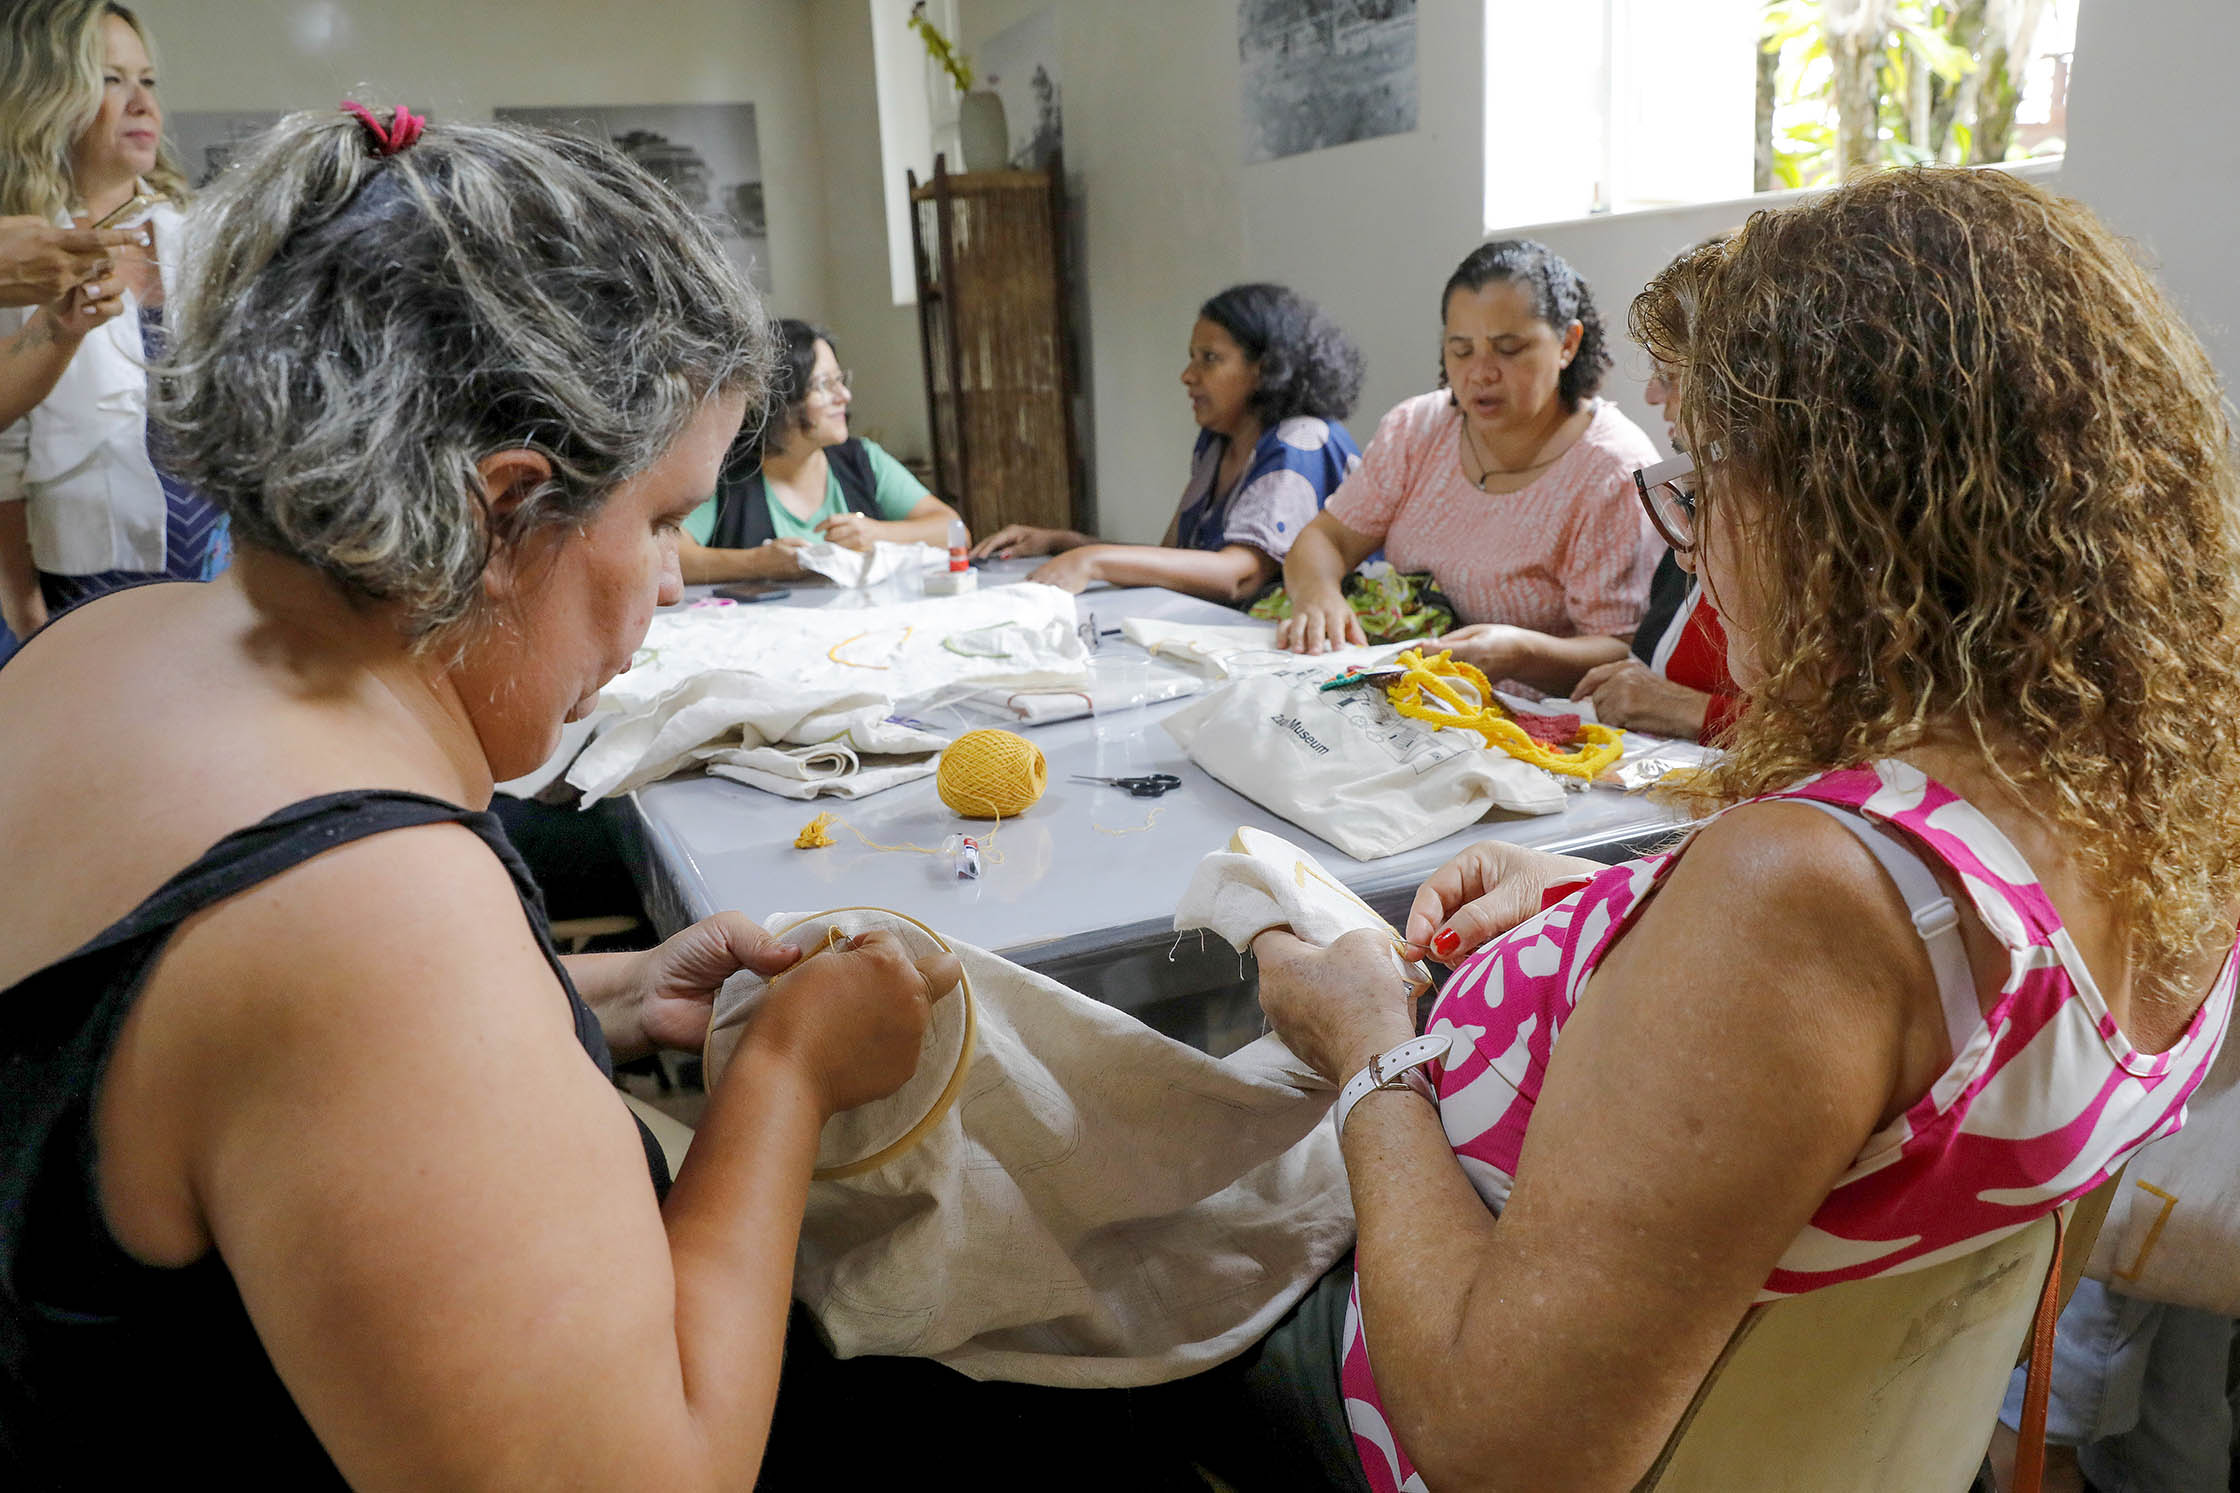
{"x": 403, "y": 128}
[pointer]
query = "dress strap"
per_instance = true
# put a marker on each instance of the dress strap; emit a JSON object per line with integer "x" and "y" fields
{"x": 292, "y": 835}
{"x": 1935, "y": 917}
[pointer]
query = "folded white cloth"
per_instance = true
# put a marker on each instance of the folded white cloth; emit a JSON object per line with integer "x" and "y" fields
{"x": 832, "y": 770}
{"x": 1262, "y": 881}
{"x": 714, "y": 679}
{"x": 1091, "y": 1205}
{"x": 705, "y": 717}
{"x": 856, "y": 568}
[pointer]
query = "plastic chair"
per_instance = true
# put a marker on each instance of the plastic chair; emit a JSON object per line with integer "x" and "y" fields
{"x": 1881, "y": 1384}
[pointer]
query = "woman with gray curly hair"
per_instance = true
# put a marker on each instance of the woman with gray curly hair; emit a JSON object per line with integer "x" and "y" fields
{"x": 310, "y": 1157}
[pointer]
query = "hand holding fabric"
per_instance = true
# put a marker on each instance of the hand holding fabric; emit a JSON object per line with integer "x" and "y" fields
{"x": 854, "y": 1016}
{"x": 1339, "y": 1006}
{"x": 851, "y": 531}
{"x": 662, "y": 997}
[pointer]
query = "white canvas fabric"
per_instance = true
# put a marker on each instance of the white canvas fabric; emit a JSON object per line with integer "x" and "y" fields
{"x": 1343, "y": 764}
{"x": 858, "y": 568}
{"x": 1223, "y": 651}
{"x": 2173, "y": 1228}
{"x": 833, "y": 770}
{"x": 713, "y": 679}
{"x": 1262, "y": 881}
{"x": 1098, "y": 1206}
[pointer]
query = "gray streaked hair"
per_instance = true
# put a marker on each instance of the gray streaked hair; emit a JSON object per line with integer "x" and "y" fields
{"x": 354, "y": 333}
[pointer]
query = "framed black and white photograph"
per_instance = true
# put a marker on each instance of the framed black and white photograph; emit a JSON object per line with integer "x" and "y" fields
{"x": 1318, "y": 73}
{"x": 207, "y": 141}
{"x": 708, "y": 154}
{"x": 1020, "y": 63}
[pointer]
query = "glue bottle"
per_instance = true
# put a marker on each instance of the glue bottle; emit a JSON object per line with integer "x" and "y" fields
{"x": 959, "y": 577}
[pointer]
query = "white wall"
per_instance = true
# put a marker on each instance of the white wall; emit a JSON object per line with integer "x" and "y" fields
{"x": 2154, "y": 147}
{"x": 878, "y": 340}
{"x": 1153, "y": 145}
{"x": 462, "y": 59}
{"x": 1153, "y": 142}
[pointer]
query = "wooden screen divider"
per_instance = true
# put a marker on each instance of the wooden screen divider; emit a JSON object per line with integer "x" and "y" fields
{"x": 993, "y": 325}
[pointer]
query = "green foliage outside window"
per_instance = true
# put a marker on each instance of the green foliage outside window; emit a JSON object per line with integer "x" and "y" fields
{"x": 1851, "y": 86}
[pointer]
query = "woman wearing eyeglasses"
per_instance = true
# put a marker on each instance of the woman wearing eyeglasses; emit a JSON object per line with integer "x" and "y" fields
{"x": 1675, "y": 681}
{"x": 797, "y": 477}
{"x": 1511, "y": 483}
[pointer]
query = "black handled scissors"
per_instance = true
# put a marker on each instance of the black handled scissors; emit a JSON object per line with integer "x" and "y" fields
{"x": 1151, "y": 786}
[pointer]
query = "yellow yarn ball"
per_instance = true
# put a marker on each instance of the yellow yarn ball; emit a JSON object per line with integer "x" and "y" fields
{"x": 991, "y": 774}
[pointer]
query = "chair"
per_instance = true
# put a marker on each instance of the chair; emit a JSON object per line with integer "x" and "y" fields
{"x": 1889, "y": 1383}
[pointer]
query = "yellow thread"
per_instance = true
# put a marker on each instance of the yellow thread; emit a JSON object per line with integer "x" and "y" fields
{"x": 1156, "y": 810}
{"x": 991, "y": 774}
{"x": 821, "y": 828}
{"x": 833, "y": 652}
{"x": 1438, "y": 676}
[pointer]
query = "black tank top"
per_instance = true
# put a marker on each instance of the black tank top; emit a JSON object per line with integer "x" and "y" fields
{"x": 114, "y": 1373}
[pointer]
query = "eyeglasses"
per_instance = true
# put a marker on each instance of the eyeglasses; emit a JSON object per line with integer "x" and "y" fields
{"x": 832, "y": 383}
{"x": 1668, "y": 491}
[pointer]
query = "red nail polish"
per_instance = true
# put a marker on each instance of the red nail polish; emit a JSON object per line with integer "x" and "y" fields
{"x": 1447, "y": 942}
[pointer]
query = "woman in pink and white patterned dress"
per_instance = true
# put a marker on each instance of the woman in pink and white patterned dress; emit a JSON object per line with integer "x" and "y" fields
{"x": 1959, "y": 938}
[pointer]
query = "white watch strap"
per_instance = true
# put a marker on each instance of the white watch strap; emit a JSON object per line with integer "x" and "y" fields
{"x": 1395, "y": 1068}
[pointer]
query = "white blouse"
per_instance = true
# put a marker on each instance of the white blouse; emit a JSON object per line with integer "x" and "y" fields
{"x": 80, "y": 458}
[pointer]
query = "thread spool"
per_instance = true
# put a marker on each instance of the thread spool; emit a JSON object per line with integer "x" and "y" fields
{"x": 991, "y": 774}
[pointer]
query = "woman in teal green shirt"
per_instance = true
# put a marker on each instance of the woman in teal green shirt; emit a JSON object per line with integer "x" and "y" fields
{"x": 797, "y": 477}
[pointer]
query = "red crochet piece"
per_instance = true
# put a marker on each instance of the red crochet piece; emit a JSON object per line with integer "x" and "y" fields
{"x": 1548, "y": 730}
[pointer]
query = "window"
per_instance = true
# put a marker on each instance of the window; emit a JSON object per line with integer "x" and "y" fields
{"x": 1596, "y": 106}
{"x": 917, "y": 120}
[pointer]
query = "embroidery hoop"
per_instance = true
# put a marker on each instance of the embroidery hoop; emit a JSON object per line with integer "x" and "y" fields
{"x": 942, "y": 1102}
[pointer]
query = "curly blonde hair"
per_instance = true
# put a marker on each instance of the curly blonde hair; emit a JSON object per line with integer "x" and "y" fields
{"x": 50, "y": 91}
{"x": 1996, "y": 485}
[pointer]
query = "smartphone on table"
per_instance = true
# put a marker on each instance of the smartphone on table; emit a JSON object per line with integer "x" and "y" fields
{"x": 753, "y": 591}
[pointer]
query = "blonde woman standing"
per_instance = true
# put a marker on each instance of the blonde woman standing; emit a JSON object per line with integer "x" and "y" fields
{"x": 85, "y": 506}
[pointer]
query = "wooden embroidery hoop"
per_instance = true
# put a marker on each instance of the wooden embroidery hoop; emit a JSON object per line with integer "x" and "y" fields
{"x": 946, "y": 1099}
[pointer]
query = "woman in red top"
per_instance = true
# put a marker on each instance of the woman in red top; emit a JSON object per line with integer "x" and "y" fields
{"x": 1675, "y": 680}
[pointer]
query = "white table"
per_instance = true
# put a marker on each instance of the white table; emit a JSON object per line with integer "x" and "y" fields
{"x": 1082, "y": 890}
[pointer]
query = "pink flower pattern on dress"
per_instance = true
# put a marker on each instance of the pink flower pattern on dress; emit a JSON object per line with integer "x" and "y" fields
{"x": 2044, "y": 1102}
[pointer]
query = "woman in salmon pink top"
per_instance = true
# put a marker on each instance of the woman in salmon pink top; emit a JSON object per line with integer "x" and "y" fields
{"x": 1511, "y": 483}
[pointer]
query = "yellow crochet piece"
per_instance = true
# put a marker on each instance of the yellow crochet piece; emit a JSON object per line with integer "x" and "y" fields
{"x": 816, "y": 834}
{"x": 1444, "y": 692}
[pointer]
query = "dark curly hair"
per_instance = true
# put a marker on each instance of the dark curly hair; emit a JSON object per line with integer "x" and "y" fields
{"x": 1559, "y": 298}
{"x": 784, "y": 406}
{"x": 1307, "y": 366}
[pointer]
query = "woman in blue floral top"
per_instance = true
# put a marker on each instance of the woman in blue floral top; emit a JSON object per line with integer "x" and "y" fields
{"x": 1270, "y": 378}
